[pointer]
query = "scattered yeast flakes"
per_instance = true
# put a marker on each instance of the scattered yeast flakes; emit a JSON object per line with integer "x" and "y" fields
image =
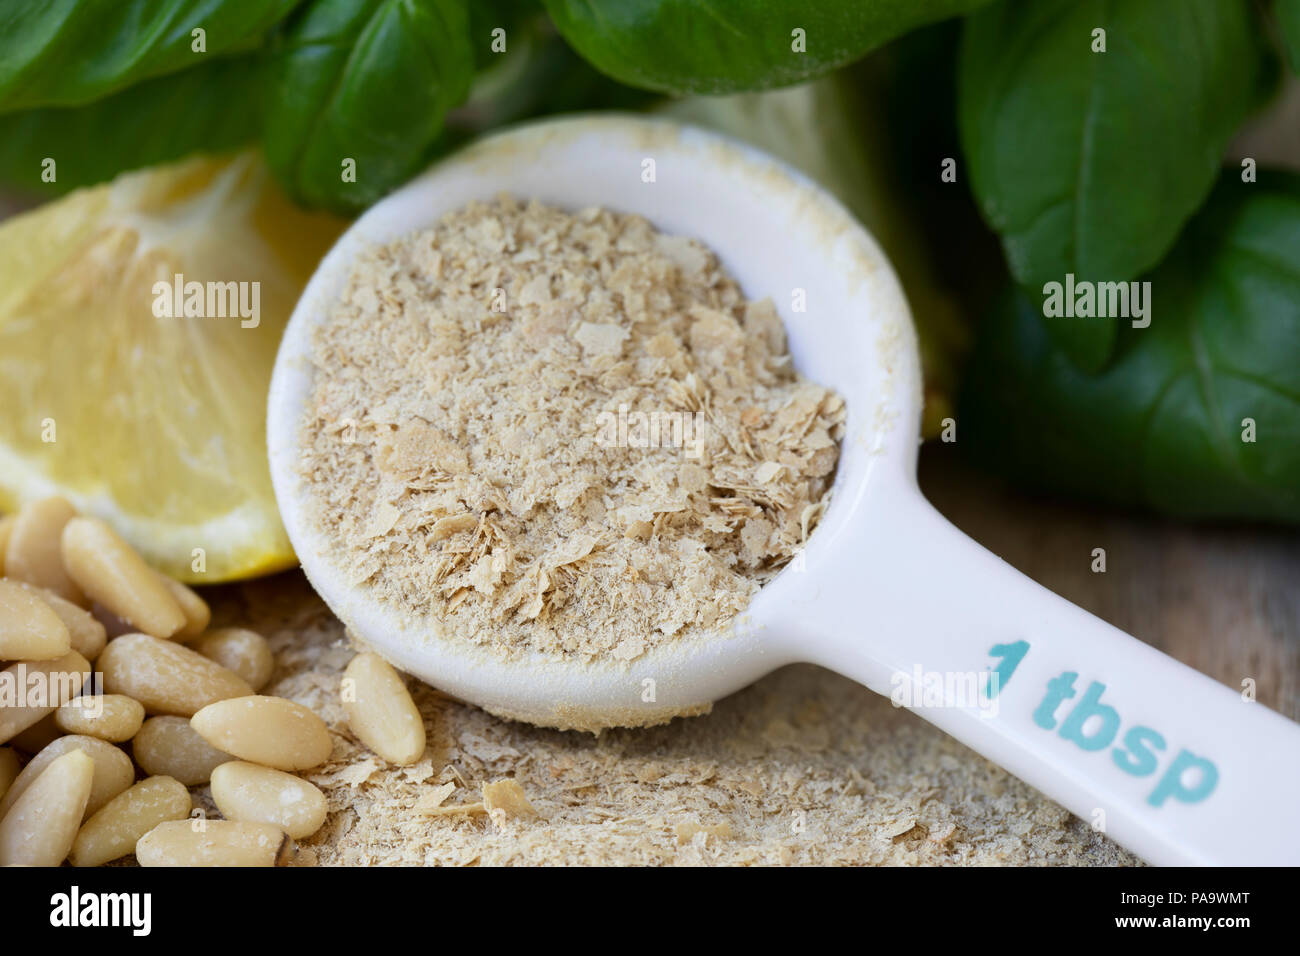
{"x": 455, "y": 809}
{"x": 830, "y": 789}
{"x": 433, "y": 800}
{"x": 561, "y": 432}
{"x": 506, "y": 797}
{"x": 686, "y": 832}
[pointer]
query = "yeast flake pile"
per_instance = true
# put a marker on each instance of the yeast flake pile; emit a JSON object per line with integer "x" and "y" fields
{"x": 561, "y": 432}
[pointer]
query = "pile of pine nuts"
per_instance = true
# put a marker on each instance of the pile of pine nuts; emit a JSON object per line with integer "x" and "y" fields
{"x": 182, "y": 696}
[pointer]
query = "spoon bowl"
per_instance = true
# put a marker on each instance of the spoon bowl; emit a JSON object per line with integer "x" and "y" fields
{"x": 776, "y": 233}
{"x": 886, "y": 591}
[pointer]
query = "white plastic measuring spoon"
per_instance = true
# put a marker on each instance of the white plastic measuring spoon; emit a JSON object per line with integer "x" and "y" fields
{"x": 1177, "y": 767}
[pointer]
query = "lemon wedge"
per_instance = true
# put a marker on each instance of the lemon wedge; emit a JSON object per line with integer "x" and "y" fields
{"x": 139, "y": 322}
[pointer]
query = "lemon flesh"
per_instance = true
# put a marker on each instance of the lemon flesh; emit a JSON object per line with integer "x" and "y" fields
{"x": 154, "y": 422}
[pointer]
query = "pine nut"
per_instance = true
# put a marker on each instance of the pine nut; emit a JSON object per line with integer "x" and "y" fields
{"x": 114, "y": 829}
{"x": 111, "y": 717}
{"x": 8, "y": 770}
{"x": 196, "y": 610}
{"x": 87, "y": 634}
{"x": 238, "y": 649}
{"x": 169, "y": 746}
{"x": 214, "y": 843}
{"x": 29, "y": 628}
{"x": 271, "y": 731}
{"x": 30, "y": 690}
{"x": 245, "y": 791}
{"x": 110, "y": 572}
{"x": 33, "y": 552}
{"x": 40, "y": 826}
{"x": 6, "y": 527}
{"x": 166, "y": 677}
{"x": 113, "y": 770}
{"x": 380, "y": 710}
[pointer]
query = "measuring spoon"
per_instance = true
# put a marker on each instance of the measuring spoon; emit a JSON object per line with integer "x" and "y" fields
{"x": 1171, "y": 764}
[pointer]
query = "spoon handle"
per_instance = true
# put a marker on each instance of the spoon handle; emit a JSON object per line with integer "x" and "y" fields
{"x": 1175, "y": 766}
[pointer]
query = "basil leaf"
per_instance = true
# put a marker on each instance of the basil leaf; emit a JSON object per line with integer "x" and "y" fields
{"x": 1163, "y": 427}
{"x": 1288, "y": 18}
{"x": 1090, "y": 163}
{"x": 516, "y": 17}
{"x": 209, "y": 108}
{"x": 366, "y": 81}
{"x": 68, "y": 52}
{"x": 707, "y": 46}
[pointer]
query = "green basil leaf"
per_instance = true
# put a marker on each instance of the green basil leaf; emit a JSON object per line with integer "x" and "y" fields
{"x": 367, "y": 82}
{"x": 1288, "y": 17}
{"x": 68, "y": 52}
{"x": 515, "y": 17}
{"x": 707, "y": 46}
{"x": 1091, "y": 162}
{"x": 209, "y": 108}
{"x": 1164, "y": 427}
